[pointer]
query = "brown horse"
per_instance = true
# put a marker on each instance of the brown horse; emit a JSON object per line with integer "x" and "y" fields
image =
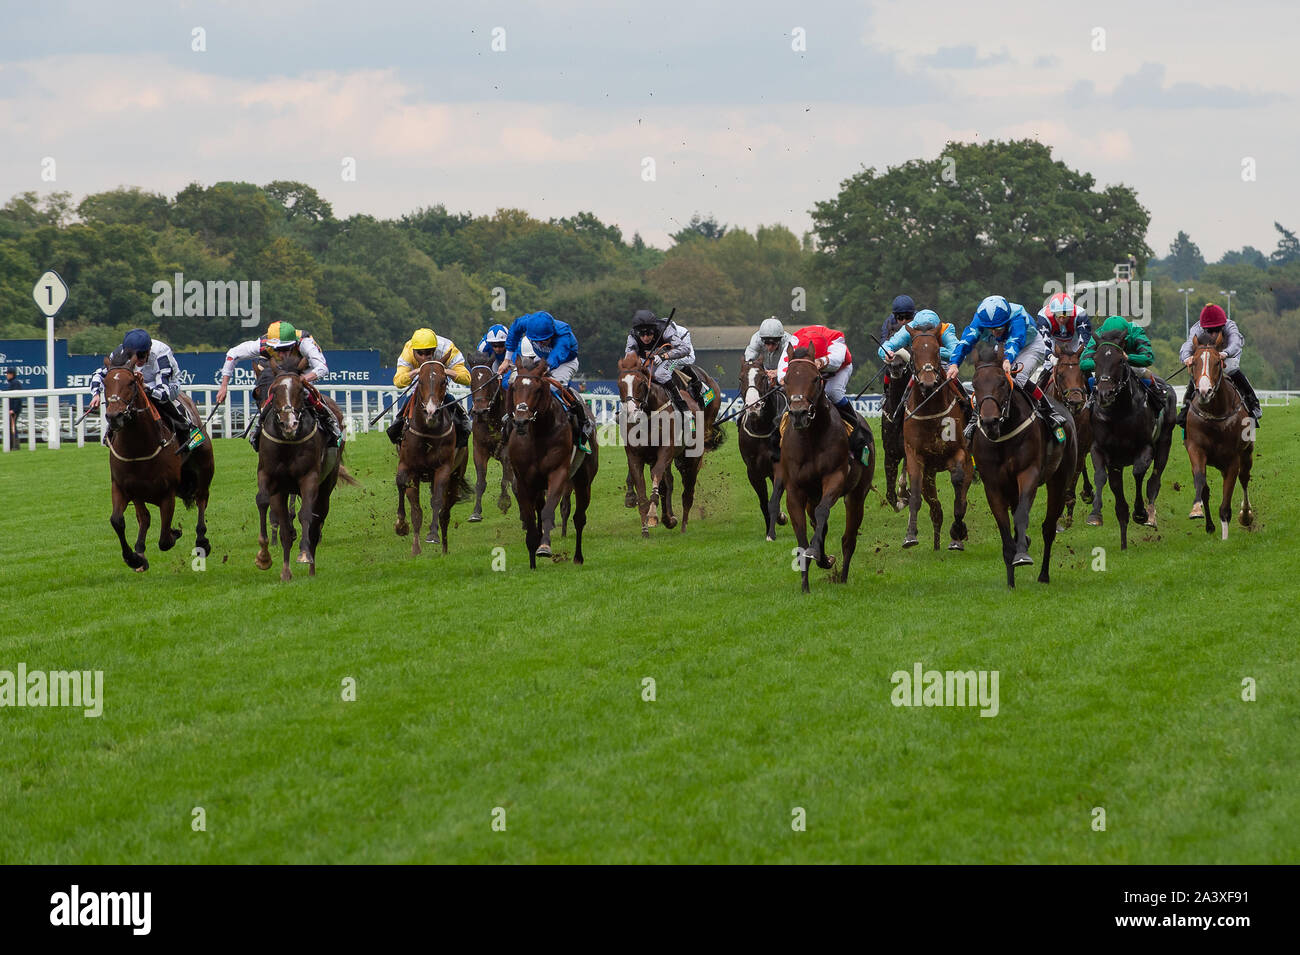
{"x": 657, "y": 436}
{"x": 428, "y": 453}
{"x": 758, "y": 430}
{"x": 1220, "y": 433}
{"x": 897, "y": 379}
{"x": 545, "y": 464}
{"x": 933, "y": 440}
{"x": 487, "y": 408}
{"x": 1017, "y": 454}
{"x": 146, "y": 468}
{"x": 817, "y": 468}
{"x": 1069, "y": 386}
{"x": 293, "y": 458}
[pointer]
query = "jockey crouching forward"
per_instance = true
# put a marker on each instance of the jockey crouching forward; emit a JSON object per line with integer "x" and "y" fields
{"x": 157, "y": 367}
{"x": 553, "y": 342}
{"x": 671, "y": 353}
{"x": 421, "y": 347}
{"x": 831, "y": 354}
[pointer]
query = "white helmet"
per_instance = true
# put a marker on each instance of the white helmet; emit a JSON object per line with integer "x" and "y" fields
{"x": 497, "y": 333}
{"x": 771, "y": 328}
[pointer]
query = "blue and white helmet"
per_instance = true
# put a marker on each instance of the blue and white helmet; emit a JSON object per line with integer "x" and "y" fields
{"x": 496, "y": 335}
{"x": 993, "y": 312}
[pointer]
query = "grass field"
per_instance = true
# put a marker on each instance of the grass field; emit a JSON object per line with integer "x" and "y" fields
{"x": 478, "y": 689}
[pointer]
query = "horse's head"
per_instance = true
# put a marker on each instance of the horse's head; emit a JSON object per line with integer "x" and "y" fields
{"x": 804, "y": 386}
{"x": 633, "y": 388}
{"x": 927, "y": 368}
{"x": 1207, "y": 365}
{"x": 430, "y": 387}
{"x": 530, "y": 395}
{"x": 993, "y": 387}
{"x": 1112, "y": 371}
{"x": 484, "y": 383}
{"x": 1071, "y": 382}
{"x": 287, "y": 391}
{"x": 754, "y": 383}
{"x": 123, "y": 396}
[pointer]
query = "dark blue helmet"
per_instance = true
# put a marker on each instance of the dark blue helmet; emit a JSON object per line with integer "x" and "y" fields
{"x": 137, "y": 340}
{"x": 903, "y": 305}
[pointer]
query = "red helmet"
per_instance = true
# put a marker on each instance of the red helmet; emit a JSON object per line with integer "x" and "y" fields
{"x": 1212, "y": 317}
{"x": 1061, "y": 312}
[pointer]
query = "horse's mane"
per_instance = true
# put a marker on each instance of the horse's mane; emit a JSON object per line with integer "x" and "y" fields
{"x": 1115, "y": 336}
{"x": 1206, "y": 338}
{"x": 533, "y": 364}
{"x": 803, "y": 351}
{"x": 117, "y": 358}
{"x": 986, "y": 351}
{"x": 629, "y": 362}
{"x": 477, "y": 358}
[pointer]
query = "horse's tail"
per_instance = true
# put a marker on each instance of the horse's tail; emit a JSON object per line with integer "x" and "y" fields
{"x": 346, "y": 477}
{"x": 188, "y": 491}
{"x": 715, "y": 438}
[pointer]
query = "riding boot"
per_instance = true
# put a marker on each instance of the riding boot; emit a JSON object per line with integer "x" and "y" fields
{"x": 969, "y": 412}
{"x": 1248, "y": 394}
{"x": 1054, "y": 419}
{"x": 463, "y": 426}
{"x": 256, "y": 436}
{"x": 394, "y": 430}
{"x": 334, "y": 435}
{"x": 860, "y": 436}
{"x": 1181, "y": 420}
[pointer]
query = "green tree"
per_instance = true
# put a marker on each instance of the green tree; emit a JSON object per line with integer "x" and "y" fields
{"x": 700, "y": 228}
{"x": 125, "y": 206}
{"x": 1185, "y": 260}
{"x": 1288, "y": 247}
{"x": 699, "y": 290}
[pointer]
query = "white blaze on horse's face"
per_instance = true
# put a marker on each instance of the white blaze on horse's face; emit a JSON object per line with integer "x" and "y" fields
{"x": 630, "y": 408}
{"x": 751, "y": 393}
{"x": 1203, "y": 385}
{"x": 291, "y": 421}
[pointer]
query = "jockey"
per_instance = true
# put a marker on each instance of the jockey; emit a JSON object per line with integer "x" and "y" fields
{"x": 424, "y": 346}
{"x": 833, "y": 358}
{"x": 157, "y": 366}
{"x": 1009, "y": 324}
{"x": 769, "y": 343}
{"x": 283, "y": 341}
{"x": 494, "y": 344}
{"x": 1213, "y": 320}
{"x": 669, "y": 344}
{"x": 554, "y": 343}
{"x": 1064, "y": 324}
{"x": 1137, "y": 347}
{"x": 925, "y": 318}
{"x": 901, "y": 313}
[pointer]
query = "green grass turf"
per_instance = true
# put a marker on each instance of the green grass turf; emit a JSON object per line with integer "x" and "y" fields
{"x": 479, "y": 689}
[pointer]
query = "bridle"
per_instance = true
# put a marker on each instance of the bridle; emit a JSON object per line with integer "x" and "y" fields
{"x": 811, "y": 412}
{"x": 1122, "y": 382}
{"x": 527, "y": 377}
{"x": 418, "y": 400}
{"x": 915, "y": 381}
{"x": 760, "y": 406}
{"x": 131, "y": 401}
{"x": 1202, "y": 401}
{"x": 292, "y": 410}
{"x": 1075, "y": 397}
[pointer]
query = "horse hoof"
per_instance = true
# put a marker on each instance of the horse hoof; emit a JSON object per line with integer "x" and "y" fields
{"x": 285, "y": 576}
{"x": 769, "y": 537}
{"x": 783, "y": 519}
{"x": 402, "y": 529}
{"x": 629, "y": 499}
{"x": 475, "y": 518}
{"x": 1247, "y": 518}
{"x": 1060, "y": 528}
{"x": 652, "y": 522}
{"x": 956, "y": 545}
{"x": 899, "y": 507}
{"x": 303, "y": 558}
{"x": 1022, "y": 560}
{"x": 433, "y": 539}
{"x": 543, "y": 550}
{"x": 262, "y": 562}
{"x": 1196, "y": 513}
{"x": 826, "y": 562}
{"x": 670, "y": 522}
{"x": 645, "y": 532}
{"x": 910, "y": 541}
{"x": 1093, "y": 522}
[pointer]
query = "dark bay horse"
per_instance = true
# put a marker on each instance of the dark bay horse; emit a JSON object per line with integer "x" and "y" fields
{"x": 656, "y": 436}
{"x": 1126, "y": 432}
{"x": 897, "y": 378}
{"x": 933, "y": 440}
{"x": 545, "y": 464}
{"x": 293, "y": 458}
{"x": 145, "y": 466}
{"x": 817, "y": 468}
{"x": 1220, "y": 434}
{"x": 487, "y": 408}
{"x": 1017, "y": 455}
{"x": 1069, "y": 386}
{"x": 758, "y": 431}
{"x": 428, "y": 453}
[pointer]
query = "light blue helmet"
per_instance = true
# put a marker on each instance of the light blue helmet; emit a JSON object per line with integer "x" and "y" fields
{"x": 993, "y": 312}
{"x": 497, "y": 333}
{"x": 925, "y": 318}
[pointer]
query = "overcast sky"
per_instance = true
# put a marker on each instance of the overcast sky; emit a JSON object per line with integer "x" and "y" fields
{"x": 738, "y": 123}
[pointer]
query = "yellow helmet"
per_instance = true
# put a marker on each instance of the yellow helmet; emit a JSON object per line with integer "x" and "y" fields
{"x": 424, "y": 340}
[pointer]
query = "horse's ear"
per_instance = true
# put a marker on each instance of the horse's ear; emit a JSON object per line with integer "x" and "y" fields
{"x": 1218, "y": 340}
{"x": 541, "y": 368}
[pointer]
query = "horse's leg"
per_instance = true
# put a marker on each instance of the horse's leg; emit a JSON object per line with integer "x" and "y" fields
{"x": 263, "y": 560}
{"x": 832, "y": 490}
{"x": 631, "y": 499}
{"x": 167, "y": 535}
{"x": 566, "y": 508}
{"x": 1027, "y": 482}
{"x": 1247, "y": 516}
{"x": 854, "y": 502}
{"x": 931, "y": 492}
{"x": 1069, "y": 499}
{"x": 1225, "y": 505}
{"x": 1115, "y": 478}
{"x": 439, "y": 490}
{"x": 797, "y": 504}
{"x": 915, "y": 482}
{"x": 412, "y": 497}
{"x": 642, "y": 499}
{"x": 960, "y": 475}
{"x": 666, "y": 488}
{"x": 777, "y": 515}
{"x": 661, "y": 464}
{"x": 1099, "y": 477}
{"x": 759, "y": 484}
{"x": 554, "y": 491}
{"x": 1140, "y": 466}
{"x": 309, "y": 490}
{"x": 993, "y": 494}
{"x": 480, "y": 479}
{"x": 142, "y": 519}
{"x": 582, "y": 495}
{"x": 690, "y": 475}
{"x": 1056, "y": 491}
{"x": 201, "y": 526}
{"x": 503, "y": 502}
{"x": 280, "y": 509}
{"x": 444, "y": 515}
{"x": 118, "y": 522}
{"x": 1163, "y": 445}
{"x": 891, "y": 468}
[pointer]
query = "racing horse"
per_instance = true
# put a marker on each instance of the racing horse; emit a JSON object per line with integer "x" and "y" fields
{"x": 933, "y": 441}
{"x": 545, "y": 461}
{"x": 487, "y": 408}
{"x": 1127, "y": 432}
{"x": 293, "y": 458}
{"x": 428, "y": 452}
{"x": 818, "y": 469}
{"x": 145, "y": 466}
{"x": 657, "y": 436}
{"x": 758, "y": 430}
{"x": 1069, "y": 386}
{"x": 1220, "y": 433}
{"x": 1018, "y": 454}
{"x": 897, "y": 378}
